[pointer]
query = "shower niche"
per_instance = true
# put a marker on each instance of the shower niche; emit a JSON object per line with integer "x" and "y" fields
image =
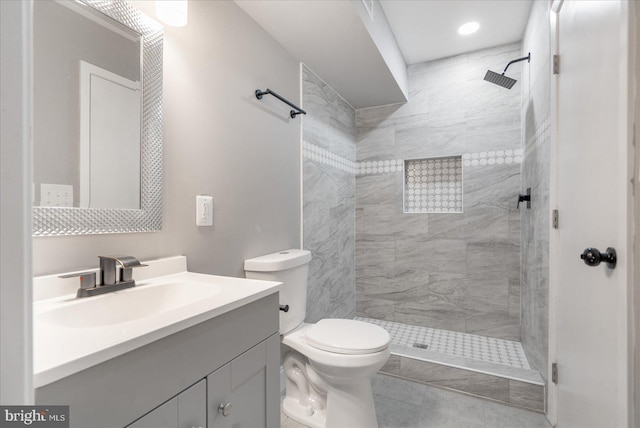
{"x": 433, "y": 185}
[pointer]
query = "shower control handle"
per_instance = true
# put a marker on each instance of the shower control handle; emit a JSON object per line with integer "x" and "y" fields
{"x": 525, "y": 198}
{"x": 593, "y": 257}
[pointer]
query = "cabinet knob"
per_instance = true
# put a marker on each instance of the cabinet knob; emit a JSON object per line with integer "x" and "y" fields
{"x": 225, "y": 409}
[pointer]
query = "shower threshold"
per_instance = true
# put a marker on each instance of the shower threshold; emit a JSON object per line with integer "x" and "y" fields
{"x": 480, "y": 354}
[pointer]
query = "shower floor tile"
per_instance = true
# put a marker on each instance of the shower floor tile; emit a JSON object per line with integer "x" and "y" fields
{"x": 468, "y": 346}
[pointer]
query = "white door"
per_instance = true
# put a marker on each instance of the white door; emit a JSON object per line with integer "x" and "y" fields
{"x": 109, "y": 139}
{"x": 592, "y": 148}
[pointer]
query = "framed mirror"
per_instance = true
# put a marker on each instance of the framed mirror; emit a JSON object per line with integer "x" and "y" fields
{"x": 97, "y": 151}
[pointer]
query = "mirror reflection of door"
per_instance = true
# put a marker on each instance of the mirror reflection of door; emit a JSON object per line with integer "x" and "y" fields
{"x": 66, "y": 35}
{"x": 109, "y": 136}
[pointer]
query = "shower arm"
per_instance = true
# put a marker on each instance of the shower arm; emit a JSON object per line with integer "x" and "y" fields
{"x": 528, "y": 58}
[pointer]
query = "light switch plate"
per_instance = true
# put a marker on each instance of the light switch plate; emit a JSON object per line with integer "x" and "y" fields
{"x": 204, "y": 210}
{"x": 56, "y": 195}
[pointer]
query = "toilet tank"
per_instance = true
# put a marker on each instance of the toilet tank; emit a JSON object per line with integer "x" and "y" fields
{"x": 291, "y": 268}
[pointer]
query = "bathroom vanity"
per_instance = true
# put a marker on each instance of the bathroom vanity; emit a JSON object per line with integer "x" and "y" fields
{"x": 210, "y": 362}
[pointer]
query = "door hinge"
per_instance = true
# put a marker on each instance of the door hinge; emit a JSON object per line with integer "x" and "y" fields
{"x": 554, "y": 219}
{"x": 554, "y": 373}
{"x": 556, "y": 64}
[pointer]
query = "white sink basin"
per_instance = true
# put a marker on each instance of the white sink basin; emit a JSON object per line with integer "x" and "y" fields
{"x": 71, "y": 334}
{"x": 128, "y": 305}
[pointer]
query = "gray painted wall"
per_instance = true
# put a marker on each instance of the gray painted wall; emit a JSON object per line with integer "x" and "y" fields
{"x": 536, "y": 174}
{"x": 458, "y": 272}
{"x": 218, "y": 140}
{"x": 329, "y": 151}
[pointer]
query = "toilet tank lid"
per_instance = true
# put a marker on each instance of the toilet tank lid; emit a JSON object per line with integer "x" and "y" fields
{"x": 279, "y": 261}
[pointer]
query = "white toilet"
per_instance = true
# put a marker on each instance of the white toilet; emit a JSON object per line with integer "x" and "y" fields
{"x": 329, "y": 364}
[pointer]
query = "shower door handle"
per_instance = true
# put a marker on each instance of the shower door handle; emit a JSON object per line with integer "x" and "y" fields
{"x": 593, "y": 257}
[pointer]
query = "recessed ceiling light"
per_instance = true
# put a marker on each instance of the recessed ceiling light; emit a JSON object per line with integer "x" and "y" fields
{"x": 468, "y": 28}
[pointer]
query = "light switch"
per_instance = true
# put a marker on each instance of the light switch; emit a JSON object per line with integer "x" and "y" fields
{"x": 204, "y": 210}
{"x": 56, "y": 195}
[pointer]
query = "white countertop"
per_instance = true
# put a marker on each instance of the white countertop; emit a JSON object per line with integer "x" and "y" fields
{"x": 67, "y": 347}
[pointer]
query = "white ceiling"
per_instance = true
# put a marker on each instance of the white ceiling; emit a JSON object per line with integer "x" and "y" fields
{"x": 428, "y": 29}
{"x": 329, "y": 36}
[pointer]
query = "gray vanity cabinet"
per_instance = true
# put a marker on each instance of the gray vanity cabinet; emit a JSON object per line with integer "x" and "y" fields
{"x": 187, "y": 410}
{"x": 244, "y": 392}
{"x": 234, "y": 357}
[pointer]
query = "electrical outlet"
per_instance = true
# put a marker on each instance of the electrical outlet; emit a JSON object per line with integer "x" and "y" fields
{"x": 204, "y": 210}
{"x": 56, "y": 195}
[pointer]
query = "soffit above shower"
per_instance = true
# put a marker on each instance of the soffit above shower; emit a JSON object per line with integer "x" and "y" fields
{"x": 364, "y": 63}
{"x": 357, "y": 57}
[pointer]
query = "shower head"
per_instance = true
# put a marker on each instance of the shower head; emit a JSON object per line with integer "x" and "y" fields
{"x": 501, "y": 79}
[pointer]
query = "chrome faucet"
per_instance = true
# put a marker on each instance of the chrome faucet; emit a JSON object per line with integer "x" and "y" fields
{"x": 111, "y": 278}
{"x": 109, "y": 269}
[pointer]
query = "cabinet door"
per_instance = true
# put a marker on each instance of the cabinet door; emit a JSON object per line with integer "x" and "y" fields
{"x": 165, "y": 416}
{"x": 192, "y": 406}
{"x": 250, "y": 384}
{"x": 187, "y": 410}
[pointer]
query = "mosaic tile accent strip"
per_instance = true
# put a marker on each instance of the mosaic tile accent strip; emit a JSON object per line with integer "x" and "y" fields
{"x": 433, "y": 185}
{"x": 379, "y": 167}
{"x": 498, "y": 157}
{"x": 495, "y": 157}
{"x": 481, "y": 348}
{"x": 318, "y": 154}
{"x": 542, "y": 134}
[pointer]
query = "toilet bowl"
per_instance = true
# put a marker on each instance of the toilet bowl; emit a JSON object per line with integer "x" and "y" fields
{"x": 328, "y": 365}
{"x": 336, "y": 379}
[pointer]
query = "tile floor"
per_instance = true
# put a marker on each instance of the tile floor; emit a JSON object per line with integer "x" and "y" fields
{"x": 402, "y": 403}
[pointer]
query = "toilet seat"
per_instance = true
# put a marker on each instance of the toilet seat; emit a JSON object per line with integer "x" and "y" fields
{"x": 351, "y": 337}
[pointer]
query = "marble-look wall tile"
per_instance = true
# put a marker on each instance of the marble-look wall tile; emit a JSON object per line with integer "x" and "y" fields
{"x": 377, "y": 189}
{"x": 329, "y": 200}
{"x": 392, "y": 366}
{"x": 496, "y": 185}
{"x": 515, "y": 392}
{"x": 428, "y": 138}
{"x": 376, "y": 143}
{"x": 330, "y": 120}
{"x": 462, "y": 380}
{"x": 476, "y": 222}
{"x": 526, "y": 395}
{"x": 450, "y": 271}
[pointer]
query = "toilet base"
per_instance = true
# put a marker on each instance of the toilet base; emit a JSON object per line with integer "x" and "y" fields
{"x": 304, "y": 414}
{"x": 327, "y": 389}
{"x": 326, "y": 401}
{"x": 350, "y": 406}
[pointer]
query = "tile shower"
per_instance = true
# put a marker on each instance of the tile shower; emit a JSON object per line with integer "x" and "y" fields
{"x": 452, "y": 271}
{"x": 437, "y": 234}
{"x": 329, "y": 154}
